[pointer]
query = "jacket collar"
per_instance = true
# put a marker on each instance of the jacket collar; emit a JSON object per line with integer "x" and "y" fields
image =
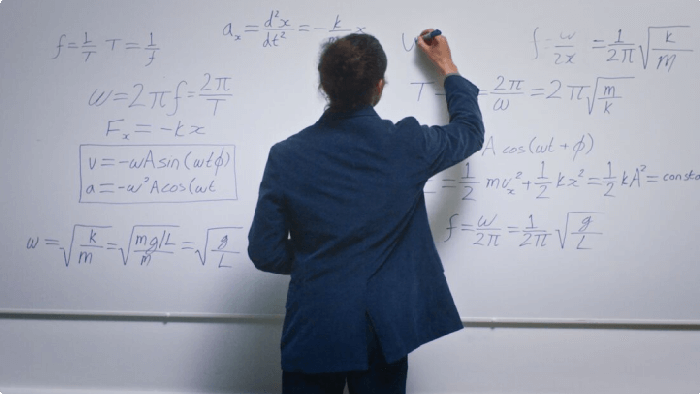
{"x": 328, "y": 116}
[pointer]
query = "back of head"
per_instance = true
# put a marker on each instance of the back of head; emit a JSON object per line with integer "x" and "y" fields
{"x": 349, "y": 70}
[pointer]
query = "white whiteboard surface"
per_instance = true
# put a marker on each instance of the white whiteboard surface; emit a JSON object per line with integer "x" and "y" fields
{"x": 133, "y": 136}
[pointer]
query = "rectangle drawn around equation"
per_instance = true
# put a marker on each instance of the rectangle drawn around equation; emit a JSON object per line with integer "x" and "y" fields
{"x": 147, "y": 174}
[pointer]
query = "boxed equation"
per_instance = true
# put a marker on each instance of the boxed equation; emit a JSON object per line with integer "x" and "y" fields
{"x": 141, "y": 174}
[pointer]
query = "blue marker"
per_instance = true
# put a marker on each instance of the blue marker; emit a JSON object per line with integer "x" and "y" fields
{"x": 431, "y": 35}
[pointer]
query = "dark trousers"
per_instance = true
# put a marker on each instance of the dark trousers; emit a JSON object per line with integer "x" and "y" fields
{"x": 381, "y": 377}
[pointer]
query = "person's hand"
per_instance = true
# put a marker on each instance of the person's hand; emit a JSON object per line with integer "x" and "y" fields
{"x": 438, "y": 52}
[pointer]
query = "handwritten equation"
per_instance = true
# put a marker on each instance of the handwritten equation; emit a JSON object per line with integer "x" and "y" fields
{"x": 542, "y": 184}
{"x": 661, "y": 47}
{"x": 123, "y": 129}
{"x": 605, "y": 90}
{"x": 139, "y": 174}
{"x": 597, "y": 96}
{"x": 275, "y": 28}
{"x": 538, "y": 146}
{"x": 213, "y": 89}
{"x": 88, "y": 47}
{"x": 580, "y": 231}
{"x": 148, "y": 244}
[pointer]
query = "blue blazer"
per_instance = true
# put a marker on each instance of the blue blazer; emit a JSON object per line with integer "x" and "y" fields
{"x": 341, "y": 209}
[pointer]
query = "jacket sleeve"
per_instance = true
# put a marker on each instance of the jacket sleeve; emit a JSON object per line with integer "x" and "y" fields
{"x": 444, "y": 146}
{"x": 269, "y": 246}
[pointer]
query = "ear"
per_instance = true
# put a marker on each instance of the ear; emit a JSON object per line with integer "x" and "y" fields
{"x": 380, "y": 86}
{"x": 378, "y": 92}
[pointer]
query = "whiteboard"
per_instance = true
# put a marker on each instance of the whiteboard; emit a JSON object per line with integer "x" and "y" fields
{"x": 134, "y": 135}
